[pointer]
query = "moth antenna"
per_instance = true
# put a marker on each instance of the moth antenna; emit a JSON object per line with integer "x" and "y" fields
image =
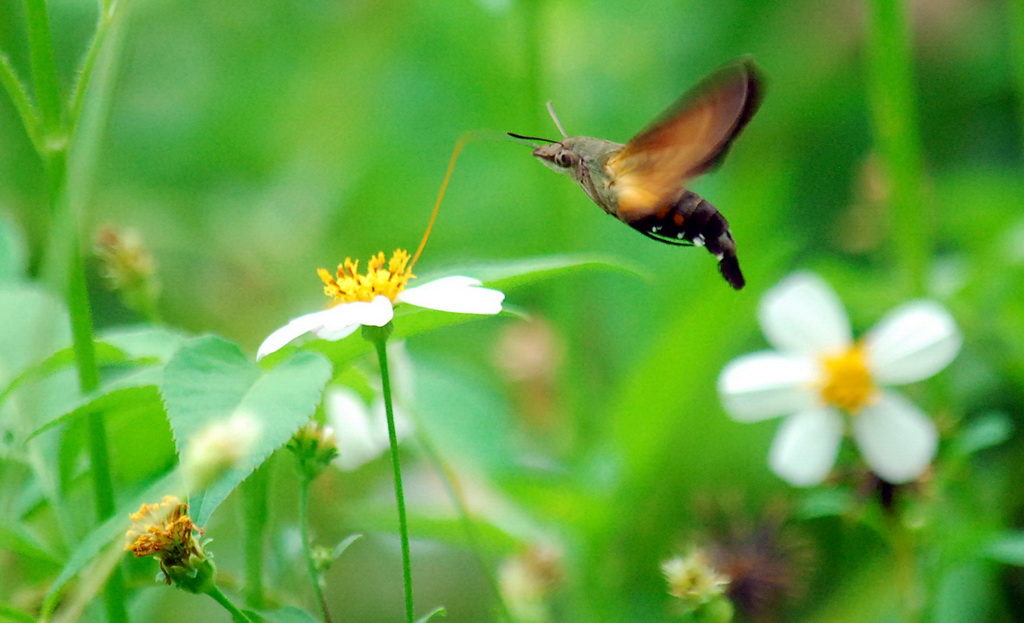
{"x": 554, "y": 117}
{"x": 530, "y": 138}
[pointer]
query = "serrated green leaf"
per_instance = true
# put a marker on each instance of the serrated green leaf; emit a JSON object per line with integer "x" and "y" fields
{"x": 210, "y": 380}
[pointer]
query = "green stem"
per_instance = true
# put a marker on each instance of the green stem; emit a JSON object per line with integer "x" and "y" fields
{"x": 52, "y": 144}
{"x": 236, "y": 615}
{"x": 44, "y": 66}
{"x": 254, "y": 500}
{"x": 19, "y": 97}
{"x": 891, "y": 90}
{"x": 1016, "y": 16}
{"x": 904, "y": 557}
{"x": 103, "y": 25}
{"x": 89, "y": 381}
{"x": 905, "y": 569}
{"x": 454, "y": 491}
{"x": 378, "y": 336}
{"x": 307, "y": 547}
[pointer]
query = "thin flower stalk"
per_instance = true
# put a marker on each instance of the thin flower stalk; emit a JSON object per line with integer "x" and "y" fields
{"x": 379, "y": 337}
{"x": 315, "y": 579}
{"x": 314, "y": 447}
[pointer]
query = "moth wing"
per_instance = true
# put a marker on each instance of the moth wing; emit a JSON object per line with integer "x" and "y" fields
{"x": 690, "y": 138}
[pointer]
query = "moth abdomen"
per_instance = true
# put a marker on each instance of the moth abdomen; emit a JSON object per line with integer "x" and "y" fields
{"x": 692, "y": 220}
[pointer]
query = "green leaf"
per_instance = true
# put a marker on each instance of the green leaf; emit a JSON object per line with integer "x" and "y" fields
{"x": 515, "y": 274}
{"x": 63, "y": 358}
{"x": 965, "y": 593}
{"x": 288, "y": 614}
{"x": 146, "y": 341}
{"x": 438, "y": 611}
{"x": 1008, "y": 549}
{"x": 210, "y": 380}
{"x": 825, "y": 503}
{"x": 340, "y": 548}
{"x": 986, "y": 431}
{"x": 10, "y": 613}
{"x": 13, "y": 256}
{"x": 127, "y": 391}
{"x": 34, "y": 325}
{"x": 17, "y": 539}
{"x": 135, "y": 345}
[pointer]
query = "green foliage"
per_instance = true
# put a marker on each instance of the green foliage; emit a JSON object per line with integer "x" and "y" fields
{"x": 566, "y": 448}
{"x": 210, "y": 380}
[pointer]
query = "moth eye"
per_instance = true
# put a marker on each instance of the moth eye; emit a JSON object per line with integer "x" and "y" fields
{"x": 563, "y": 159}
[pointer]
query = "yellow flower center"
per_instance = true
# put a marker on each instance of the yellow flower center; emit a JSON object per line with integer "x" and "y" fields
{"x": 165, "y": 532}
{"x": 848, "y": 383}
{"x": 382, "y": 278}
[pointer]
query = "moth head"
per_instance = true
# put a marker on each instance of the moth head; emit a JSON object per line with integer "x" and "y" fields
{"x": 560, "y": 157}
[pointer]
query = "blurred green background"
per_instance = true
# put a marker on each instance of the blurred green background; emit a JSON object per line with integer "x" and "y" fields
{"x": 251, "y": 142}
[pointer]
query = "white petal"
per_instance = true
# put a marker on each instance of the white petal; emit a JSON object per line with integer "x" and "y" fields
{"x": 805, "y": 448}
{"x": 767, "y": 384}
{"x": 341, "y": 320}
{"x": 454, "y": 294}
{"x": 353, "y": 428}
{"x": 331, "y": 324}
{"x": 897, "y": 439}
{"x": 303, "y": 324}
{"x": 802, "y": 314}
{"x": 912, "y": 342}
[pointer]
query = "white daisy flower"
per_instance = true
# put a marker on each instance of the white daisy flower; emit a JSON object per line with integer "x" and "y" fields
{"x": 369, "y": 299}
{"x": 361, "y": 430}
{"x": 818, "y": 373}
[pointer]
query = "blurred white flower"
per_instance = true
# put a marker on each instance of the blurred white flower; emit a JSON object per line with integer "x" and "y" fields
{"x": 369, "y": 299}
{"x": 217, "y": 448}
{"x": 818, "y": 373}
{"x": 361, "y": 430}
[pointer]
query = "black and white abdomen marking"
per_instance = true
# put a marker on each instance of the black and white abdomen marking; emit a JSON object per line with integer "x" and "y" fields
{"x": 693, "y": 221}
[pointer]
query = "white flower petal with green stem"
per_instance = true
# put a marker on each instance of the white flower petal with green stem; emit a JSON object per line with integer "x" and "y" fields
{"x": 803, "y": 315}
{"x": 330, "y": 324}
{"x": 454, "y": 294}
{"x": 913, "y": 342}
{"x": 897, "y": 439}
{"x": 805, "y": 447}
{"x": 767, "y": 384}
